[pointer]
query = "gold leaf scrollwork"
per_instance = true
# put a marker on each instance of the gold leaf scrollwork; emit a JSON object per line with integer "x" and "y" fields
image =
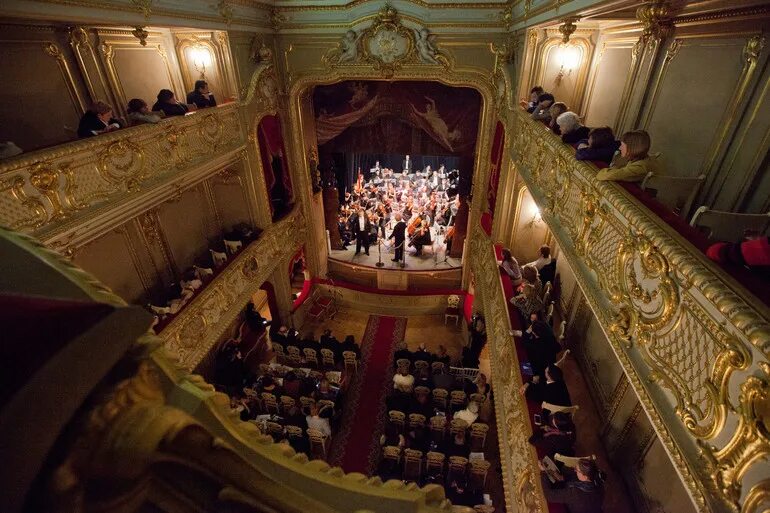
{"x": 123, "y": 163}
{"x": 57, "y": 185}
{"x": 212, "y": 131}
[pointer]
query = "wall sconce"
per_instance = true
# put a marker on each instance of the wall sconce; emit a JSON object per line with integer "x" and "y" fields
{"x": 536, "y": 217}
{"x": 568, "y": 59}
{"x": 201, "y": 59}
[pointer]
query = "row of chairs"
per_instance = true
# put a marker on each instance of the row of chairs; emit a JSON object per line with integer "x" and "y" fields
{"x": 296, "y": 436}
{"x": 293, "y": 356}
{"x": 438, "y": 427}
{"x": 269, "y": 404}
{"x": 444, "y": 399}
{"x": 434, "y": 464}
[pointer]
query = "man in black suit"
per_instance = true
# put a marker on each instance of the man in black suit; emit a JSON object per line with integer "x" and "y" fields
{"x": 399, "y": 234}
{"x": 361, "y": 227}
{"x": 407, "y": 165}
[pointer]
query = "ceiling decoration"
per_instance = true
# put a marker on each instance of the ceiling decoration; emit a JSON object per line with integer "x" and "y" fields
{"x": 387, "y": 44}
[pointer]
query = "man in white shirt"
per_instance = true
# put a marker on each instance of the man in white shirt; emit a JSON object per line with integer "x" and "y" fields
{"x": 406, "y": 165}
{"x": 469, "y": 414}
{"x": 543, "y": 259}
{"x": 314, "y": 421}
{"x": 403, "y": 381}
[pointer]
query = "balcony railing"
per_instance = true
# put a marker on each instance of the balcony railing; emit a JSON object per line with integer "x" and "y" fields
{"x": 693, "y": 342}
{"x": 52, "y": 191}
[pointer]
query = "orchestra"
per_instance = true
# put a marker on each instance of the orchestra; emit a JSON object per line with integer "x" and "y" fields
{"x": 425, "y": 200}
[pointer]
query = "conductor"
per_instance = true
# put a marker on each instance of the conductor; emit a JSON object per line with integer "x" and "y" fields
{"x": 399, "y": 234}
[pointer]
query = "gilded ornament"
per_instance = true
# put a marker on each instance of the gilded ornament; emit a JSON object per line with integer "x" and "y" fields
{"x": 567, "y": 28}
{"x": 753, "y": 48}
{"x": 225, "y": 10}
{"x": 141, "y": 34}
{"x": 654, "y": 17}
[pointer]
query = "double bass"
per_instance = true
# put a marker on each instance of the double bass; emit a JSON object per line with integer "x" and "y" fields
{"x": 414, "y": 225}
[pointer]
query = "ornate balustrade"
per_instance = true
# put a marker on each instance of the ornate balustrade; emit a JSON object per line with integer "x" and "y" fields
{"x": 192, "y": 333}
{"x": 54, "y": 193}
{"x": 521, "y": 476}
{"x": 693, "y": 342}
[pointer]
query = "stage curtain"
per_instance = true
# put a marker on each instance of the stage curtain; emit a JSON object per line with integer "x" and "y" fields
{"x": 271, "y": 147}
{"x": 495, "y": 160}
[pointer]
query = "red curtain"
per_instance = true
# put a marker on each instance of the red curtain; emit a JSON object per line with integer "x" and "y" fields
{"x": 271, "y": 146}
{"x": 495, "y": 160}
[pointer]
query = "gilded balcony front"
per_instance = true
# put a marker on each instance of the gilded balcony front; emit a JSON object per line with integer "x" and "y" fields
{"x": 693, "y": 342}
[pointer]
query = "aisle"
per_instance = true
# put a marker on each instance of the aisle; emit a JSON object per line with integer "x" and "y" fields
{"x": 356, "y": 445}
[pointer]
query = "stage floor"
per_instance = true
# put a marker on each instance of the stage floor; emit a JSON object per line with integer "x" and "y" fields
{"x": 432, "y": 257}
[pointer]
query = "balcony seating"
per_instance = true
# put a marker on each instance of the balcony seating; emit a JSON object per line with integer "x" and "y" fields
{"x": 317, "y": 444}
{"x": 232, "y": 246}
{"x": 479, "y": 432}
{"x": 478, "y": 474}
{"x": 398, "y": 418}
{"x": 440, "y": 398}
{"x": 676, "y": 192}
{"x": 219, "y": 258}
{"x": 727, "y": 226}
{"x": 412, "y": 465}
{"x": 437, "y": 367}
{"x": 327, "y": 358}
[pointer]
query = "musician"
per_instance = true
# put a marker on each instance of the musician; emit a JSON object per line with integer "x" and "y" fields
{"x": 421, "y": 237}
{"x": 345, "y": 234}
{"x": 375, "y": 171}
{"x": 361, "y": 227}
{"x": 406, "y": 166}
{"x": 399, "y": 236}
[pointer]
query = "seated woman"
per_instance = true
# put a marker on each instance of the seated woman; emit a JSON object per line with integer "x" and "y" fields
{"x": 421, "y": 237}
{"x": 392, "y": 436}
{"x": 557, "y": 436}
{"x": 572, "y": 130}
{"x": 139, "y": 113}
{"x": 530, "y": 299}
{"x": 556, "y": 110}
{"x": 542, "y": 112}
{"x": 169, "y": 105}
{"x": 97, "y": 120}
{"x": 600, "y": 145}
{"x": 511, "y": 267}
{"x": 634, "y": 161}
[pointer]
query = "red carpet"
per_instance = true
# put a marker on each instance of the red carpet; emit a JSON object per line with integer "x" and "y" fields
{"x": 356, "y": 443}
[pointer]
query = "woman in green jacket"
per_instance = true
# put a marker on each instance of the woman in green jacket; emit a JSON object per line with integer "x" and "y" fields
{"x": 634, "y": 161}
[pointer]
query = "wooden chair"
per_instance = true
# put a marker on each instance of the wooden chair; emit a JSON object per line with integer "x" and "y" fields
{"x": 675, "y": 192}
{"x": 398, "y": 418}
{"x": 421, "y": 391}
{"x": 332, "y": 377}
{"x": 549, "y": 312}
{"x": 280, "y": 355}
{"x": 419, "y": 365}
{"x": 570, "y": 461}
{"x": 306, "y": 403}
{"x": 416, "y": 420}
{"x": 219, "y": 258}
{"x": 457, "y": 426}
{"x": 562, "y": 337}
{"x": 351, "y": 363}
{"x": 327, "y": 358}
{"x": 553, "y": 408}
{"x": 316, "y": 375}
{"x": 403, "y": 362}
{"x": 317, "y": 444}
{"x": 275, "y": 430}
{"x": 293, "y": 432}
{"x": 452, "y": 309}
{"x": 203, "y": 272}
{"x": 434, "y": 462}
{"x": 294, "y": 357}
{"x": 440, "y": 398}
{"x": 392, "y": 452}
{"x": 458, "y": 467}
{"x": 233, "y": 246}
{"x": 269, "y": 403}
{"x": 287, "y": 403}
{"x": 458, "y": 400}
{"x": 479, "y": 432}
{"x": 547, "y": 291}
{"x": 412, "y": 465}
{"x": 478, "y": 474}
{"x": 437, "y": 367}
{"x": 438, "y": 429}
{"x": 311, "y": 357}
{"x": 727, "y": 226}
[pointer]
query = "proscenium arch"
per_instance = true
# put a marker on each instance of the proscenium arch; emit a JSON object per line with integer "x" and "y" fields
{"x": 302, "y": 86}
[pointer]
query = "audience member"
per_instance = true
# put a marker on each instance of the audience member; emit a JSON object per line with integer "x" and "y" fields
{"x": 551, "y": 390}
{"x": 544, "y": 257}
{"x": 418, "y": 438}
{"x": 558, "y": 436}
{"x": 324, "y": 391}
{"x": 534, "y": 94}
{"x": 267, "y": 384}
{"x": 600, "y": 145}
{"x": 403, "y": 381}
{"x": 444, "y": 379}
{"x": 423, "y": 378}
{"x": 97, "y": 120}
{"x": 572, "y": 131}
{"x": 480, "y": 385}
{"x": 402, "y": 353}
{"x": 201, "y": 97}
{"x": 328, "y": 341}
{"x": 469, "y": 414}
{"x": 421, "y": 404}
{"x": 530, "y": 297}
{"x": 442, "y": 356}
{"x": 754, "y": 252}
{"x": 291, "y": 385}
{"x": 349, "y": 344}
{"x": 279, "y": 335}
{"x": 541, "y": 345}
{"x": 316, "y": 421}
{"x": 634, "y": 161}
{"x": 139, "y": 113}
{"x": 556, "y": 110}
{"x": 543, "y": 110}
{"x": 392, "y": 437}
{"x": 511, "y": 267}
{"x": 422, "y": 354}
{"x": 581, "y": 491}
{"x": 169, "y": 105}
{"x": 457, "y": 446}
{"x": 254, "y": 319}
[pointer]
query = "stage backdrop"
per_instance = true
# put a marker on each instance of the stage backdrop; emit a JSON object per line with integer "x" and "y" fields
{"x": 421, "y": 118}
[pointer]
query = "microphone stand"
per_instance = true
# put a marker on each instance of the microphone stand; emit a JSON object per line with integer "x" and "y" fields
{"x": 379, "y": 263}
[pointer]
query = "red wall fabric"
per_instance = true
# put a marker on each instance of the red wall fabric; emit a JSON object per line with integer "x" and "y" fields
{"x": 495, "y": 160}
{"x": 271, "y": 144}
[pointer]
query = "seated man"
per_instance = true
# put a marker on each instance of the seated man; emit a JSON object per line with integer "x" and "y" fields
{"x": 442, "y": 356}
{"x": 553, "y": 390}
{"x": 201, "y": 97}
{"x": 582, "y": 491}
{"x": 279, "y": 335}
{"x": 469, "y": 414}
{"x": 97, "y": 120}
{"x": 169, "y": 105}
{"x": 556, "y": 436}
{"x": 422, "y": 354}
{"x": 403, "y": 381}
{"x": 328, "y": 341}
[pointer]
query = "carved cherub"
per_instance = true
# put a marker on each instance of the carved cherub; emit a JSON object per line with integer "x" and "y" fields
{"x": 426, "y": 48}
{"x": 349, "y": 46}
